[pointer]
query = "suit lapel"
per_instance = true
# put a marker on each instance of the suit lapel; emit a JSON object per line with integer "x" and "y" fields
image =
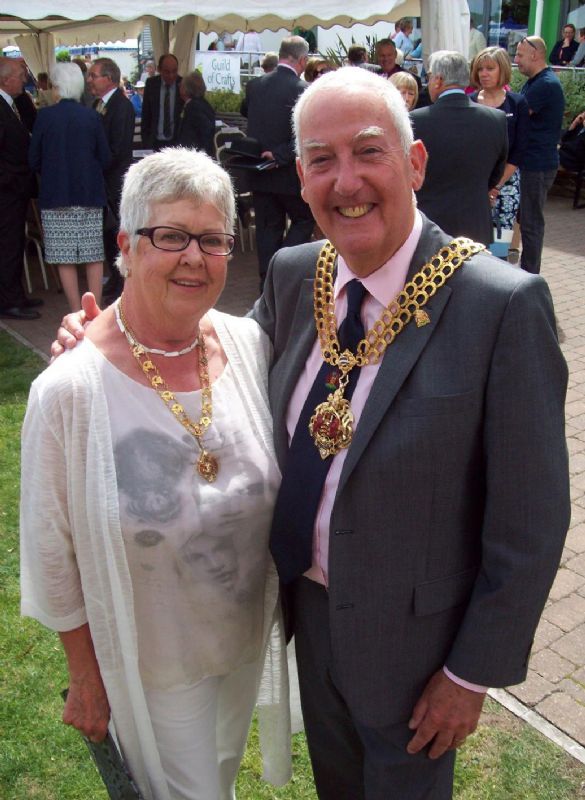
{"x": 401, "y": 356}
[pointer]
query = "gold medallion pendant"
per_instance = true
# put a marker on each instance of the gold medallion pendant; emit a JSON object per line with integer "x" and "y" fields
{"x": 207, "y": 466}
{"x": 331, "y": 426}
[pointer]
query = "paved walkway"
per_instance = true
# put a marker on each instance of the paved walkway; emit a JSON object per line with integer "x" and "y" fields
{"x": 555, "y": 689}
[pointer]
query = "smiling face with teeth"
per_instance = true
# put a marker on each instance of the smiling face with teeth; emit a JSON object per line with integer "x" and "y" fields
{"x": 168, "y": 292}
{"x": 356, "y": 177}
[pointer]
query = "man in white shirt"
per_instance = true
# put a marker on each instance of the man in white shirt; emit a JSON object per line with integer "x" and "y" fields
{"x": 248, "y": 44}
{"x": 477, "y": 41}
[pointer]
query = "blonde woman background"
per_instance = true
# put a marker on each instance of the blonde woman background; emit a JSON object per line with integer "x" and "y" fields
{"x": 491, "y": 72}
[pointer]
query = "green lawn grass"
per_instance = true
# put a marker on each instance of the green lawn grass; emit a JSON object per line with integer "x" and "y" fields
{"x": 41, "y": 759}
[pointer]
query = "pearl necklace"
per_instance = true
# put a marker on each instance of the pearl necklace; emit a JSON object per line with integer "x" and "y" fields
{"x": 155, "y": 351}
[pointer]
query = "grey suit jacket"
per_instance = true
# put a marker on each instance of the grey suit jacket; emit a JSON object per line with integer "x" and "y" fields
{"x": 467, "y": 145}
{"x": 453, "y": 501}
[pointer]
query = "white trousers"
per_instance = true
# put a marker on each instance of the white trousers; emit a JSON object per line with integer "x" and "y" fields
{"x": 201, "y": 732}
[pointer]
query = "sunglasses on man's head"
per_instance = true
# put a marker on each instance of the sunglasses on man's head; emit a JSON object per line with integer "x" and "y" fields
{"x": 527, "y": 40}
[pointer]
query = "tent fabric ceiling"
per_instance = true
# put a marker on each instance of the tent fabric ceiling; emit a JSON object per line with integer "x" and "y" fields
{"x": 71, "y": 33}
{"x": 69, "y": 23}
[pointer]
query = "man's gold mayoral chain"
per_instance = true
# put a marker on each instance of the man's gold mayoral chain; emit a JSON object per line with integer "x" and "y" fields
{"x": 331, "y": 426}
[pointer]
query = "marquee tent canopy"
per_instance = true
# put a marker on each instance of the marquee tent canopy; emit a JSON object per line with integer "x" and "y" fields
{"x": 69, "y": 22}
{"x": 174, "y": 25}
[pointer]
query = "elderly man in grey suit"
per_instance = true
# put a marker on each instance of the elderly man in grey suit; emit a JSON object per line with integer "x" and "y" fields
{"x": 417, "y": 561}
{"x": 467, "y": 145}
{"x": 424, "y": 506}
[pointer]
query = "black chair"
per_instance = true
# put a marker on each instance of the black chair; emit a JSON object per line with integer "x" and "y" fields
{"x": 243, "y": 193}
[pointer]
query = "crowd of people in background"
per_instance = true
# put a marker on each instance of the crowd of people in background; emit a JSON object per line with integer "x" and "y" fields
{"x": 174, "y": 111}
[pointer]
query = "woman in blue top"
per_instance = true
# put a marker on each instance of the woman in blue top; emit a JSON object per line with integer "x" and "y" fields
{"x": 491, "y": 71}
{"x": 70, "y": 150}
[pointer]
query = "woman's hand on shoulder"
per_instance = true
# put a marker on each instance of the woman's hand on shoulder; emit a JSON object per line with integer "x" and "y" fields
{"x": 71, "y": 330}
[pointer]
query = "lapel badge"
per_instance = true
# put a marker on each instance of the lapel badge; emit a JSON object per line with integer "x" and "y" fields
{"x": 421, "y": 318}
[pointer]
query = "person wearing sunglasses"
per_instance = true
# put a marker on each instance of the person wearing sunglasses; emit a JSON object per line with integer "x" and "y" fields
{"x": 141, "y": 448}
{"x": 316, "y": 66}
{"x": 538, "y": 169}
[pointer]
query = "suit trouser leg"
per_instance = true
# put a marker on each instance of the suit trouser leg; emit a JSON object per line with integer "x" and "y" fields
{"x": 352, "y": 761}
{"x": 115, "y": 283}
{"x": 12, "y": 222}
{"x": 270, "y": 224}
{"x": 302, "y": 223}
{"x": 534, "y": 188}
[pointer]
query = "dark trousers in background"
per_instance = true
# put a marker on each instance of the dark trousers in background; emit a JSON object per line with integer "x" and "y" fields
{"x": 534, "y": 188}
{"x": 352, "y": 761}
{"x": 271, "y": 212}
{"x": 12, "y": 223}
{"x": 115, "y": 283}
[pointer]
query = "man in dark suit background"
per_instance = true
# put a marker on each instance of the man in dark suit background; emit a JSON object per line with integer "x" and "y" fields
{"x": 118, "y": 116}
{"x": 467, "y": 144}
{"x": 162, "y": 105}
{"x": 16, "y": 188}
{"x": 277, "y": 193}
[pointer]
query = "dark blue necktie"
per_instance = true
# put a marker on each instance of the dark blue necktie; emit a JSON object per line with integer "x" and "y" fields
{"x": 167, "y": 113}
{"x": 291, "y": 537}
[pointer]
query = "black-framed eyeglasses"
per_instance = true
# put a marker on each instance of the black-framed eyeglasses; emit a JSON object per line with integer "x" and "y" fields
{"x": 174, "y": 239}
{"x": 527, "y": 40}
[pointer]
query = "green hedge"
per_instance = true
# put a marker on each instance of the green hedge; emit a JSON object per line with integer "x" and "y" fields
{"x": 224, "y": 101}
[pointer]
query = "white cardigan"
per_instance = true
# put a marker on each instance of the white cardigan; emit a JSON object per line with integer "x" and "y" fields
{"x": 73, "y": 561}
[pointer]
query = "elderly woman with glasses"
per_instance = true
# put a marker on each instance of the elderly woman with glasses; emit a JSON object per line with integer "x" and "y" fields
{"x": 150, "y": 479}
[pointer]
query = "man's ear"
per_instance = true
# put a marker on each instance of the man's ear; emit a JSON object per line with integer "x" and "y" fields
{"x": 418, "y": 163}
{"x": 301, "y": 175}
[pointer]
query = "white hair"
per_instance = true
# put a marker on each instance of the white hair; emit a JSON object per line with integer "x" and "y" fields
{"x": 68, "y": 81}
{"x": 354, "y": 83}
{"x": 451, "y": 66}
{"x": 175, "y": 173}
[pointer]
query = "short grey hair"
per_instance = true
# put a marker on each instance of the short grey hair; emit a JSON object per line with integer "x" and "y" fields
{"x": 172, "y": 174}
{"x": 194, "y": 84}
{"x": 451, "y": 66}
{"x": 67, "y": 80}
{"x": 349, "y": 80}
{"x": 293, "y": 48}
{"x": 7, "y": 65}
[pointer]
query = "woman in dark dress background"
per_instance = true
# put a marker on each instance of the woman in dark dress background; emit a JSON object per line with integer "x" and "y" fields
{"x": 197, "y": 127}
